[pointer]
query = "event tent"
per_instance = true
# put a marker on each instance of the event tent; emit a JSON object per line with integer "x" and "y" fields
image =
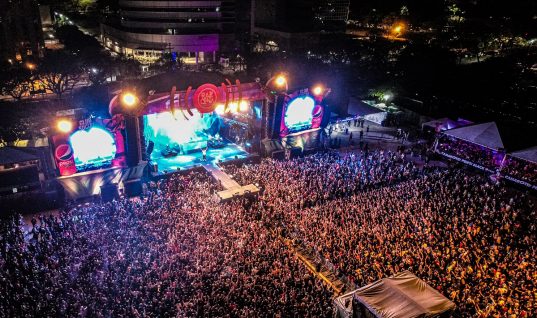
{"x": 401, "y": 296}
{"x": 529, "y": 154}
{"x": 486, "y": 135}
{"x": 445, "y": 124}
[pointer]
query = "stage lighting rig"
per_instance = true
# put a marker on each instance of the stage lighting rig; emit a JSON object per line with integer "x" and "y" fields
{"x": 129, "y": 99}
{"x": 64, "y": 125}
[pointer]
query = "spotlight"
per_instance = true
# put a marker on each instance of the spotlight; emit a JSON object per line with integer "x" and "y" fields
{"x": 243, "y": 106}
{"x": 129, "y": 99}
{"x": 280, "y": 80}
{"x": 317, "y": 90}
{"x": 64, "y": 125}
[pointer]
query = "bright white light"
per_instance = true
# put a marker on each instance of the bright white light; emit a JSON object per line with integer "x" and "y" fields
{"x": 317, "y": 90}
{"x": 280, "y": 80}
{"x": 299, "y": 112}
{"x": 94, "y": 70}
{"x": 65, "y": 126}
{"x": 386, "y": 97}
{"x": 94, "y": 145}
{"x": 243, "y": 106}
{"x": 233, "y": 107}
{"x": 220, "y": 108}
{"x": 129, "y": 99}
{"x": 166, "y": 128}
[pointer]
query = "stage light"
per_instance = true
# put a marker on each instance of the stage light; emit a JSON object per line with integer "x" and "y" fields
{"x": 64, "y": 125}
{"x": 318, "y": 90}
{"x": 30, "y": 66}
{"x": 129, "y": 99}
{"x": 243, "y": 106}
{"x": 233, "y": 107}
{"x": 280, "y": 80}
{"x": 220, "y": 109}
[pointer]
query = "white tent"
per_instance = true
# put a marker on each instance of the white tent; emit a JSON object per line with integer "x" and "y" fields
{"x": 529, "y": 154}
{"x": 486, "y": 135}
{"x": 446, "y": 124}
{"x": 401, "y": 296}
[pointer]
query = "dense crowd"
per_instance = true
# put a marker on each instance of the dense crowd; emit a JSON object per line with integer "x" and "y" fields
{"x": 471, "y": 240}
{"x": 176, "y": 252}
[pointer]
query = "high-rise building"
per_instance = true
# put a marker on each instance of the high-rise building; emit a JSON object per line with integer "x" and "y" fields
{"x": 195, "y": 31}
{"x": 21, "y": 36}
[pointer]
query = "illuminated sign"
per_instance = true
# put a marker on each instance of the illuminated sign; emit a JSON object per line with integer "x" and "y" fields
{"x": 206, "y": 98}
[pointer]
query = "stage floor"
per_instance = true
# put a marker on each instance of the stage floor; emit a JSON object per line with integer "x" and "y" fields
{"x": 184, "y": 162}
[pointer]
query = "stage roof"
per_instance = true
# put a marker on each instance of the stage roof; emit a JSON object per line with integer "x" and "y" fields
{"x": 529, "y": 154}
{"x": 10, "y": 155}
{"x": 402, "y": 295}
{"x": 486, "y": 135}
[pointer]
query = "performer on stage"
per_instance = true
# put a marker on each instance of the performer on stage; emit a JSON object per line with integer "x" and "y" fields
{"x": 204, "y": 153}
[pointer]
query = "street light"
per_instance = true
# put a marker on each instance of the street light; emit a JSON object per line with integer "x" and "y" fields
{"x": 64, "y": 125}
{"x": 398, "y": 29}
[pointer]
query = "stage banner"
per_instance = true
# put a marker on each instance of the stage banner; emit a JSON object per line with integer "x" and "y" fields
{"x": 63, "y": 155}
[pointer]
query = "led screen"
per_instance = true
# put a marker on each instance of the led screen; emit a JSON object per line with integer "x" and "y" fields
{"x": 299, "y": 113}
{"x": 175, "y": 131}
{"x": 92, "y": 148}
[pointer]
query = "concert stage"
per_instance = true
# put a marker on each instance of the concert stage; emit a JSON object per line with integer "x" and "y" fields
{"x": 229, "y": 152}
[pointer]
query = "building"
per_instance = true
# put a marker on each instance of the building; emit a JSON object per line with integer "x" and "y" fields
{"x": 333, "y": 14}
{"x": 195, "y": 31}
{"x": 21, "y": 36}
{"x": 295, "y": 24}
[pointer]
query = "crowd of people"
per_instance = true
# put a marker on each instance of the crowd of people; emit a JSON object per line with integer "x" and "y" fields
{"x": 177, "y": 252}
{"x": 474, "y": 153}
{"x": 521, "y": 169}
{"x": 174, "y": 253}
{"x": 473, "y": 241}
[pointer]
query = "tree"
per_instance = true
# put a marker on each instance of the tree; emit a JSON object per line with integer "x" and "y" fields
{"x": 128, "y": 68}
{"x": 59, "y": 72}
{"x": 76, "y": 41}
{"x": 15, "y": 81}
{"x": 167, "y": 62}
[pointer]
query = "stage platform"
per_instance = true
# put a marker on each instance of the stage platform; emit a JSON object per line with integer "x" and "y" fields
{"x": 232, "y": 188}
{"x": 195, "y": 159}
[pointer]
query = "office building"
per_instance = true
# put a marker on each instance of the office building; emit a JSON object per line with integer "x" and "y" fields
{"x": 195, "y": 31}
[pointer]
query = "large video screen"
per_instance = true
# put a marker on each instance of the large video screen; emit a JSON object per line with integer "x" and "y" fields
{"x": 300, "y": 113}
{"x": 174, "y": 133}
{"x": 95, "y": 147}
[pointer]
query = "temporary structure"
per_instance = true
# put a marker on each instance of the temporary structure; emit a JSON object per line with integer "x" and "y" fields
{"x": 486, "y": 135}
{"x": 401, "y": 296}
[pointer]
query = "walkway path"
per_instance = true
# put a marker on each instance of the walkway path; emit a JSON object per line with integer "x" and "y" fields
{"x": 231, "y": 187}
